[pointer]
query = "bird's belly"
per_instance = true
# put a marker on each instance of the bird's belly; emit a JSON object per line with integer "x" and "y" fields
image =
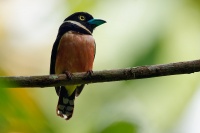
{"x": 75, "y": 53}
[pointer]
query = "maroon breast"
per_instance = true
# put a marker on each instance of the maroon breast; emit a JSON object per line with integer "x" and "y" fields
{"x": 75, "y": 53}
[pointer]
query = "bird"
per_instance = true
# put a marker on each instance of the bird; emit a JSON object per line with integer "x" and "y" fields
{"x": 73, "y": 51}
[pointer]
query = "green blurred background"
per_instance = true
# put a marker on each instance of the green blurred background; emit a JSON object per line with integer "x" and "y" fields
{"x": 137, "y": 32}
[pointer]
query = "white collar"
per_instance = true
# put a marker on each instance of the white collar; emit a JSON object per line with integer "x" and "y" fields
{"x": 78, "y": 24}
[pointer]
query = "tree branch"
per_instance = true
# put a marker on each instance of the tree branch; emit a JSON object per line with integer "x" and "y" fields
{"x": 139, "y": 72}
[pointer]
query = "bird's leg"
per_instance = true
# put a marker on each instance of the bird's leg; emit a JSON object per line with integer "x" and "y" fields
{"x": 68, "y": 75}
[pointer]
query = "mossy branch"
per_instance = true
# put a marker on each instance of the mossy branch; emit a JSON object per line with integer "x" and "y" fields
{"x": 139, "y": 72}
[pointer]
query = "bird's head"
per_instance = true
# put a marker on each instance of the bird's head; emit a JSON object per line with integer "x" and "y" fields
{"x": 86, "y": 20}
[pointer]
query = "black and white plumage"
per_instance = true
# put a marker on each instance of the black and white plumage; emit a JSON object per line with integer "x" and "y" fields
{"x": 73, "y": 51}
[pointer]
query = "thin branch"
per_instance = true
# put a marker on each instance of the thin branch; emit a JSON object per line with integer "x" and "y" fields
{"x": 139, "y": 72}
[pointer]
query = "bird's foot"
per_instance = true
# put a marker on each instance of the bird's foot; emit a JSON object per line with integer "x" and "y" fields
{"x": 68, "y": 75}
{"x": 89, "y": 74}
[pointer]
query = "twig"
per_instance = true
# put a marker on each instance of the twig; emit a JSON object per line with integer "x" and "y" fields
{"x": 139, "y": 72}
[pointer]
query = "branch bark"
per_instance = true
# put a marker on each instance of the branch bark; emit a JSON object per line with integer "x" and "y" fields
{"x": 139, "y": 72}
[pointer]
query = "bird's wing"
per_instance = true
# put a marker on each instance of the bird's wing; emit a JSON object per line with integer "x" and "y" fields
{"x": 62, "y": 30}
{"x": 53, "y": 61}
{"x": 53, "y": 55}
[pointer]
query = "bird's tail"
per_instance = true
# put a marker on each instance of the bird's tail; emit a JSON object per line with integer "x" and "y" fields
{"x": 65, "y": 105}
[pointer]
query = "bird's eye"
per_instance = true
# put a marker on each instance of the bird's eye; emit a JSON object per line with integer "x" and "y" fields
{"x": 82, "y": 18}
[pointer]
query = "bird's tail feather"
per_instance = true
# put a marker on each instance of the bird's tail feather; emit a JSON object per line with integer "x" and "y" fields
{"x": 65, "y": 105}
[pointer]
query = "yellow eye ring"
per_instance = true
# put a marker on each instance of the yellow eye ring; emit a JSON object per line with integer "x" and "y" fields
{"x": 82, "y": 18}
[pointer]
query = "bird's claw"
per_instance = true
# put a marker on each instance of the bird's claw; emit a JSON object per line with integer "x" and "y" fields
{"x": 89, "y": 74}
{"x": 68, "y": 75}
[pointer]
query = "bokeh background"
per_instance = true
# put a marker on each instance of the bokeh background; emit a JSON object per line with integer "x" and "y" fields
{"x": 137, "y": 32}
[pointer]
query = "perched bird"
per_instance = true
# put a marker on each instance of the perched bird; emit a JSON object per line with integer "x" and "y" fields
{"x": 73, "y": 51}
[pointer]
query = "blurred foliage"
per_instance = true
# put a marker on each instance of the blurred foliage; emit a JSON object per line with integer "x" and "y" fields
{"x": 193, "y": 4}
{"x": 149, "y": 56}
{"x": 81, "y": 5}
{"x": 19, "y": 112}
{"x": 120, "y": 127}
{"x": 137, "y": 33}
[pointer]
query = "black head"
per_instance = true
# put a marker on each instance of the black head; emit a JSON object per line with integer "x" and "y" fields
{"x": 86, "y": 20}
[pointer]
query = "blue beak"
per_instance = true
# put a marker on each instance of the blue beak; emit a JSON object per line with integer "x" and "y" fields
{"x": 96, "y": 22}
